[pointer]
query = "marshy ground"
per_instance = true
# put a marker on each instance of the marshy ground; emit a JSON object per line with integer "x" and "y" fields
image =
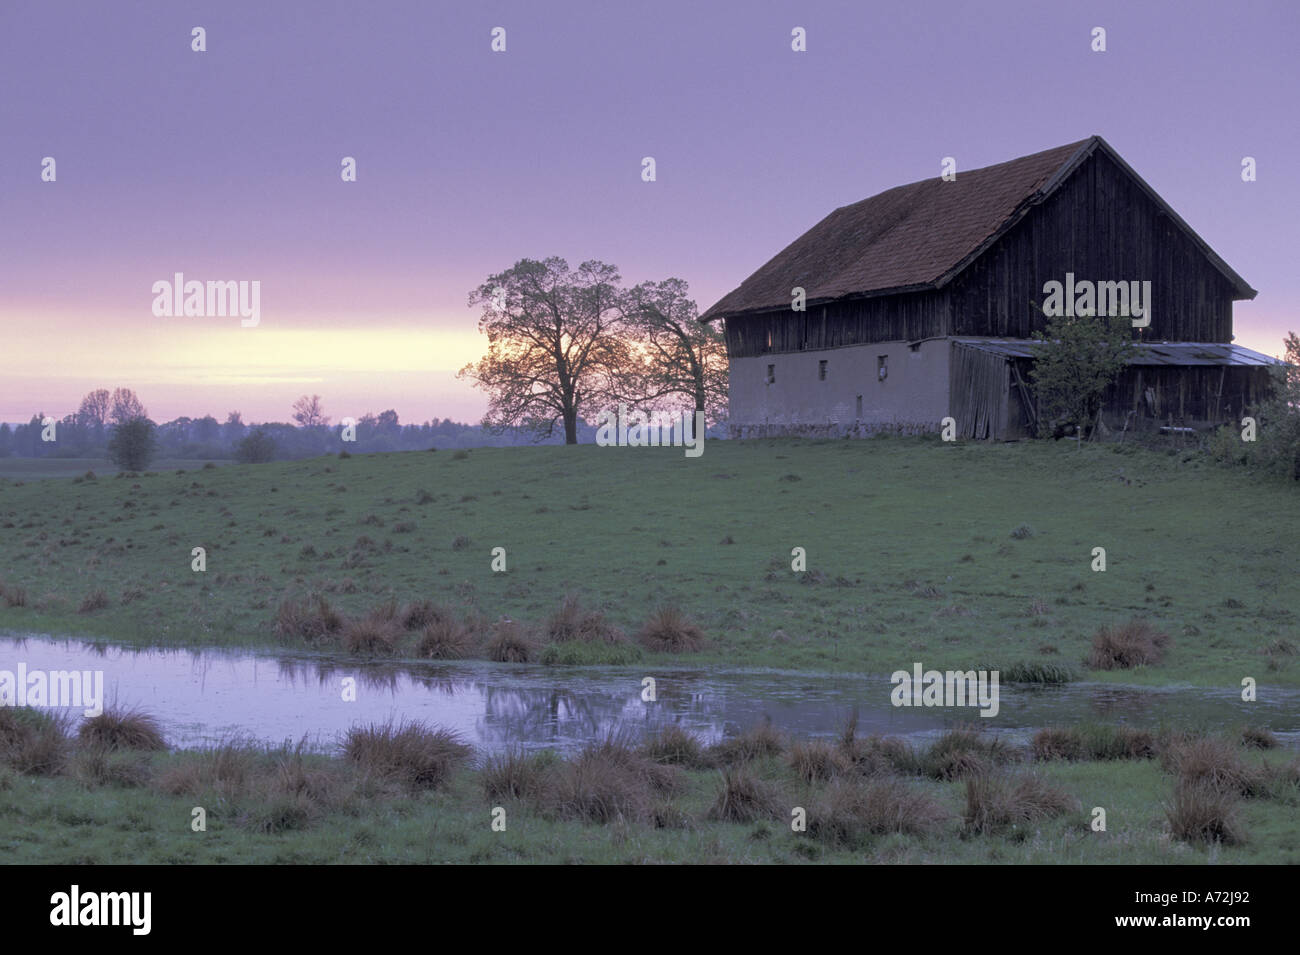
{"x": 962, "y": 556}
{"x": 108, "y": 790}
{"x": 959, "y": 556}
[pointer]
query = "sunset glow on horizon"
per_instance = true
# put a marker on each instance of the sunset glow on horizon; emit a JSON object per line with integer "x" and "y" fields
{"x": 224, "y": 166}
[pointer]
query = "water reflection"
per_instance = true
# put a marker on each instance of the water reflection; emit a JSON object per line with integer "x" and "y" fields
{"x": 205, "y": 695}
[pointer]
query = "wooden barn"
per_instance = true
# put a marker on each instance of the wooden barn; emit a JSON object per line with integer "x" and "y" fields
{"x": 917, "y": 306}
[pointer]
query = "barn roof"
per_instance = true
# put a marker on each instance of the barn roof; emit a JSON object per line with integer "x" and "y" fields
{"x": 920, "y": 236}
{"x": 1145, "y": 353}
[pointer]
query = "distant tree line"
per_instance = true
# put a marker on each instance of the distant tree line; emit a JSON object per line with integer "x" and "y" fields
{"x": 116, "y": 425}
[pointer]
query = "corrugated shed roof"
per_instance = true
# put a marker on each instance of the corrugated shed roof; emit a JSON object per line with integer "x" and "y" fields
{"x": 921, "y": 235}
{"x": 1147, "y": 353}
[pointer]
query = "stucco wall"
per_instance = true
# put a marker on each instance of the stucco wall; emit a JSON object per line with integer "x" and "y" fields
{"x": 912, "y": 398}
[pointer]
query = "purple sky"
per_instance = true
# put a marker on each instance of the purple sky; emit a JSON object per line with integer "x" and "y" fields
{"x": 225, "y": 164}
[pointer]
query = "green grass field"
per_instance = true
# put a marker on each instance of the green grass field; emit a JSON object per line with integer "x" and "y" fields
{"x": 909, "y": 543}
{"x": 26, "y": 469}
{"x": 276, "y": 811}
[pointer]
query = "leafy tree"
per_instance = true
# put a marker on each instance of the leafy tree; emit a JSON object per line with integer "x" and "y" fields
{"x": 234, "y": 428}
{"x": 552, "y": 344}
{"x": 257, "y": 448}
{"x": 94, "y": 409}
{"x": 125, "y": 406}
{"x": 674, "y": 354}
{"x": 207, "y": 429}
{"x": 1277, "y": 444}
{"x": 1080, "y": 357}
{"x": 131, "y": 446}
{"x": 309, "y": 412}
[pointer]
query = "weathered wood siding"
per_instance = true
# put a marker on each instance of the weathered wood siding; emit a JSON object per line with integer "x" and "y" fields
{"x": 1189, "y": 396}
{"x": 1101, "y": 226}
{"x": 1195, "y": 396}
{"x": 977, "y": 389}
{"x": 860, "y": 321}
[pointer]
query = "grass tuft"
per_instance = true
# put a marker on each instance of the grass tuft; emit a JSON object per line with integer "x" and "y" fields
{"x": 1128, "y": 645}
{"x": 1202, "y": 813}
{"x": 411, "y": 753}
{"x": 847, "y": 812}
{"x": 510, "y": 643}
{"x": 744, "y": 797}
{"x": 674, "y": 746}
{"x": 995, "y": 803}
{"x": 32, "y": 741}
{"x": 445, "y": 638}
{"x": 669, "y": 630}
{"x": 122, "y": 728}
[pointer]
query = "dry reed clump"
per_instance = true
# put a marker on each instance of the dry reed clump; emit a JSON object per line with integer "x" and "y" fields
{"x": 516, "y": 774}
{"x": 33, "y": 742}
{"x": 293, "y": 789}
{"x": 313, "y": 620}
{"x": 97, "y": 766}
{"x": 673, "y": 745}
{"x": 609, "y": 781}
{"x": 757, "y": 742}
{"x": 619, "y": 749}
{"x": 1216, "y": 763}
{"x": 419, "y": 614}
{"x": 388, "y": 611}
{"x": 848, "y": 811}
{"x": 1093, "y": 743}
{"x": 122, "y": 728}
{"x": 266, "y": 791}
{"x": 963, "y": 752}
{"x": 13, "y": 596}
{"x": 1057, "y": 743}
{"x": 373, "y": 636}
{"x": 572, "y": 621}
{"x": 745, "y": 797}
{"x": 93, "y": 601}
{"x": 880, "y": 755}
{"x": 446, "y": 638}
{"x": 1257, "y": 737}
{"x": 510, "y": 643}
{"x": 1001, "y": 802}
{"x": 875, "y": 755}
{"x": 1127, "y": 645}
{"x": 818, "y": 761}
{"x": 589, "y": 790}
{"x": 670, "y": 631}
{"x": 225, "y": 768}
{"x": 411, "y": 753}
{"x": 1200, "y": 812}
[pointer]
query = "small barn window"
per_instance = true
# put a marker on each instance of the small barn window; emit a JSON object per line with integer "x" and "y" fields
{"x": 771, "y": 374}
{"x": 821, "y": 370}
{"x": 859, "y": 407}
{"x": 882, "y": 367}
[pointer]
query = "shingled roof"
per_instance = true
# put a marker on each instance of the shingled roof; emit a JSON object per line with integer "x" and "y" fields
{"x": 920, "y": 236}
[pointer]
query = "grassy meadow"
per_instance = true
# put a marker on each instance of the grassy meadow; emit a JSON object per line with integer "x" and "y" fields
{"x": 955, "y": 555}
{"x": 109, "y": 792}
{"x": 26, "y": 469}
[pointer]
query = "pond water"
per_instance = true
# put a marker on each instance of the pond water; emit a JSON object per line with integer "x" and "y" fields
{"x": 205, "y": 696}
